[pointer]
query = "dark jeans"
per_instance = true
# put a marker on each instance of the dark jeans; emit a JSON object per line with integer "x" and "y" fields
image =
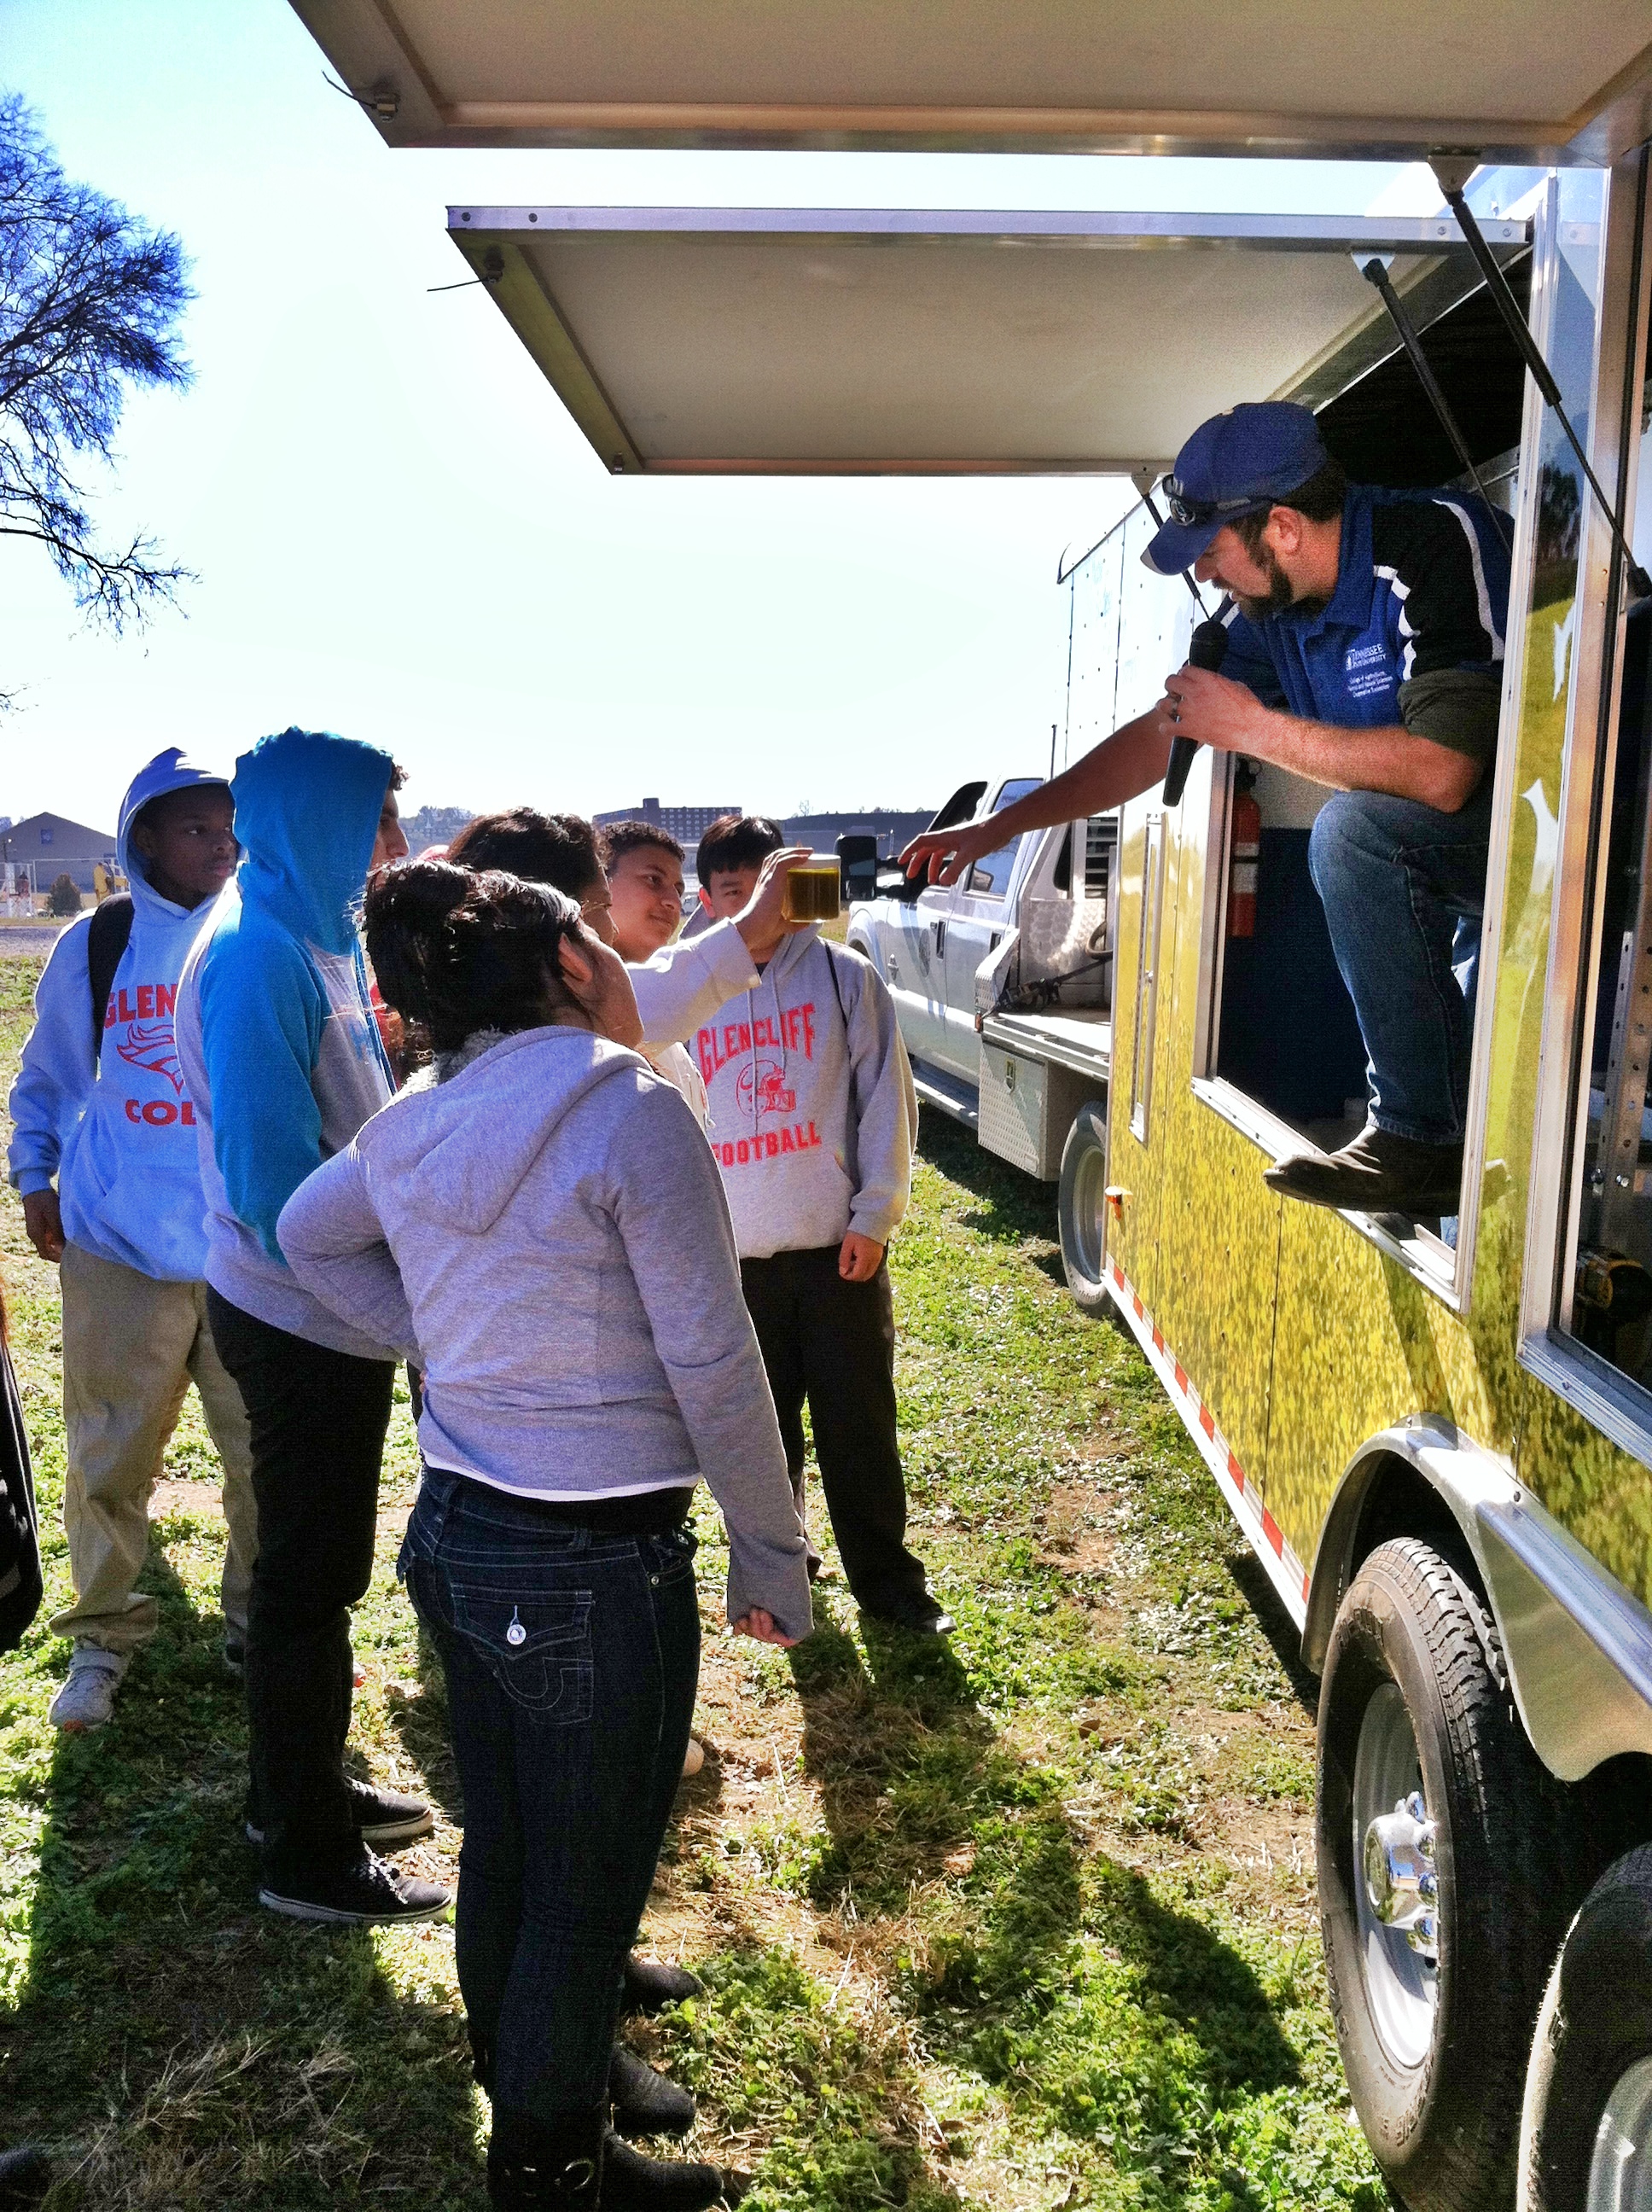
{"x": 1397, "y": 880}
{"x": 834, "y": 1343}
{"x": 318, "y": 1419}
{"x": 569, "y": 1743}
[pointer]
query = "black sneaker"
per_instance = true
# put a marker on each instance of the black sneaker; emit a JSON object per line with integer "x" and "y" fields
{"x": 384, "y": 1818}
{"x": 364, "y": 1892}
{"x": 919, "y": 1616}
{"x": 235, "y": 1658}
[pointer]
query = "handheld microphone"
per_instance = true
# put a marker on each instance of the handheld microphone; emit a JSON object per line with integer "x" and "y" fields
{"x": 1208, "y": 648}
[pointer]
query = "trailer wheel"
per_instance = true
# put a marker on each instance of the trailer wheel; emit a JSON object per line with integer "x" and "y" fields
{"x": 1081, "y": 1208}
{"x": 1586, "y": 2132}
{"x": 1439, "y": 1894}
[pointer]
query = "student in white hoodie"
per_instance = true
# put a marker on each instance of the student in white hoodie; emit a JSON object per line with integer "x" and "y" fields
{"x": 542, "y": 1227}
{"x": 104, "y": 1154}
{"x": 644, "y": 866}
{"x": 813, "y": 1119}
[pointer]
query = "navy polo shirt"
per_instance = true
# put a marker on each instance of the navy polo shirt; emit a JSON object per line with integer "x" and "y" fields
{"x": 1422, "y": 588}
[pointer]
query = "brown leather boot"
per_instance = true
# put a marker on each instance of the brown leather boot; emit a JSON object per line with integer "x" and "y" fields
{"x": 1378, "y": 1173}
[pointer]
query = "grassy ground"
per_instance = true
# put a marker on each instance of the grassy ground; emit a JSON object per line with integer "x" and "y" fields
{"x": 1027, "y": 1921}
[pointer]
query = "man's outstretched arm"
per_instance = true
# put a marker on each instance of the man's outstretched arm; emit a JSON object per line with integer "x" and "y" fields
{"x": 1130, "y": 761}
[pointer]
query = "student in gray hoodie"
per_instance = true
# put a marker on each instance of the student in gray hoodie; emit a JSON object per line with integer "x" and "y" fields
{"x": 543, "y": 1228}
{"x": 813, "y": 1119}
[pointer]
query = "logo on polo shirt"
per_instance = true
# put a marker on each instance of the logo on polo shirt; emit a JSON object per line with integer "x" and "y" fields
{"x": 1366, "y": 669}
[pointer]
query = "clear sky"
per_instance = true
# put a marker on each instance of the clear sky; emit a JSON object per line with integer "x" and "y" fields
{"x": 400, "y": 535}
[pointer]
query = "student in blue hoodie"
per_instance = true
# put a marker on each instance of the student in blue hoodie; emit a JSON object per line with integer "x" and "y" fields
{"x": 104, "y": 1154}
{"x": 285, "y": 1062}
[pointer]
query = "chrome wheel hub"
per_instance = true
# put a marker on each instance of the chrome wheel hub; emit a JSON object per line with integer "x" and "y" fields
{"x": 1397, "y": 1889}
{"x": 1399, "y": 1879}
{"x": 1620, "y": 2172}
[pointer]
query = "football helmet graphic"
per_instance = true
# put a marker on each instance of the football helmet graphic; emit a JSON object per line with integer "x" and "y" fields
{"x": 765, "y": 1084}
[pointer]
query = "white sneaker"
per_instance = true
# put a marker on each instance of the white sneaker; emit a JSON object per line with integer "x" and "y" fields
{"x": 88, "y": 1698}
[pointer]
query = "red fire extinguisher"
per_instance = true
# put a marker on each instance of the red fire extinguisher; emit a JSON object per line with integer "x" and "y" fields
{"x": 1244, "y": 852}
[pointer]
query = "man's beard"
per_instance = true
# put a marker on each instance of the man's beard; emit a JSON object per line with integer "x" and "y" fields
{"x": 1279, "y": 594}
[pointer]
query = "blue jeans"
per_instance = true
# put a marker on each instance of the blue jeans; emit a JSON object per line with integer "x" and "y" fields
{"x": 1397, "y": 879}
{"x": 569, "y": 1742}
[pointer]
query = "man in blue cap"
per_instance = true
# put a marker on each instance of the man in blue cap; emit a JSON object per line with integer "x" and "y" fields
{"x": 1364, "y": 653}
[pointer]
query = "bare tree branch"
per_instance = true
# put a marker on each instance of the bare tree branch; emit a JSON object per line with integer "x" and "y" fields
{"x": 90, "y": 303}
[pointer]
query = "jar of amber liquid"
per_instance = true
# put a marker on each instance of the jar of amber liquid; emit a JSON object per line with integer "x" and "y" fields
{"x": 812, "y": 891}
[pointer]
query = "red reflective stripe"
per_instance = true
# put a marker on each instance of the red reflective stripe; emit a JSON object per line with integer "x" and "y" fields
{"x": 1235, "y": 1471}
{"x": 1181, "y": 1379}
{"x": 1270, "y": 1530}
{"x": 1206, "y": 1423}
{"x": 1141, "y": 1311}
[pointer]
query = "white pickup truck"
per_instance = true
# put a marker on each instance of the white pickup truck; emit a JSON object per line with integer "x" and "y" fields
{"x": 1003, "y": 988}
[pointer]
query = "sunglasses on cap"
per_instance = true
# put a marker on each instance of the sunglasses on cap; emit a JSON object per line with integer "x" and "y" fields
{"x": 1191, "y": 512}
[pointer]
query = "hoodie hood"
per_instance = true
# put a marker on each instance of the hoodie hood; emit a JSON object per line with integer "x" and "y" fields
{"x": 519, "y": 1090}
{"x": 171, "y": 770}
{"x": 306, "y": 813}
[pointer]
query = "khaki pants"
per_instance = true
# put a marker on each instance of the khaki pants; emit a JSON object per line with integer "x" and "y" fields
{"x": 131, "y": 1346}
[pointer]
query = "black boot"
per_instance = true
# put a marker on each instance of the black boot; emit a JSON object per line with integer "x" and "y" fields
{"x": 25, "y": 2175}
{"x": 631, "y": 2183}
{"x": 645, "y": 2102}
{"x": 547, "y": 2166}
{"x": 651, "y": 1985}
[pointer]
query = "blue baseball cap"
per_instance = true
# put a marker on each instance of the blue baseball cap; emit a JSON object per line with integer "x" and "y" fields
{"x": 1238, "y": 464}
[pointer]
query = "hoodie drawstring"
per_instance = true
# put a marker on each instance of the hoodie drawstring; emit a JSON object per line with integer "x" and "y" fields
{"x": 768, "y": 976}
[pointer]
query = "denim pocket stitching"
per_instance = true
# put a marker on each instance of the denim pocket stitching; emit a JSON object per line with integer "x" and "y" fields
{"x": 549, "y": 1674}
{"x": 673, "y": 1555}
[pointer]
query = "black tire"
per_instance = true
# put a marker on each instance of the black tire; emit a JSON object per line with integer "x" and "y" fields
{"x": 1435, "y": 2057}
{"x": 1080, "y": 1208}
{"x": 1594, "y": 2037}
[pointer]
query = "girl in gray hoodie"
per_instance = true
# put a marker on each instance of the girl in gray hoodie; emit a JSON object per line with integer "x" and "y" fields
{"x": 543, "y": 1228}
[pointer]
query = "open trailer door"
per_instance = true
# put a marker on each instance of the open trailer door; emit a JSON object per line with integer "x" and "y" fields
{"x": 1379, "y": 78}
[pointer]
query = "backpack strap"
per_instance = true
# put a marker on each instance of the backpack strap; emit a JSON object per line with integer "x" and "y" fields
{"x": 837, "y": 988}
{"x": 106, "y": 939}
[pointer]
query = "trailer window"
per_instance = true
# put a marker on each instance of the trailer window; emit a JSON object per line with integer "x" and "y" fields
{"x": 1152, "y": 903}
{"x": 1287, "y": 1036}
{"x": 1610, "y": 1307}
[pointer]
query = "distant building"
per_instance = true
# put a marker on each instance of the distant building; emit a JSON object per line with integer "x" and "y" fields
{"x": 688, "y": 825}
{"x": 434, "y": 825}
{"x": 53, "y": 845}
{"x": 891, "y": 827}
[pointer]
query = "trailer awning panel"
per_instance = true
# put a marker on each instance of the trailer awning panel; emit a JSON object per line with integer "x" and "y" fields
{"x": 1386, "y": 78}
{"x": 811, "y": 342}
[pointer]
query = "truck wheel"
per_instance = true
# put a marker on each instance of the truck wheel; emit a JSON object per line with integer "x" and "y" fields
{"x": 1081, "y": 1208}
{"x": 1586, "y": 2132}
{"x": 1438, "y": 1889}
